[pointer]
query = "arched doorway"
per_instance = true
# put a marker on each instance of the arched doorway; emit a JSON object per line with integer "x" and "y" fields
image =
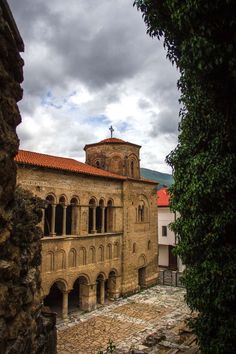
{"x": 54, "y": 299}
{"x": 78, "y": 295}
{"x": 100, "y": 289}
{"x": 142, "y": 277}
{"x": 142, "y": 271}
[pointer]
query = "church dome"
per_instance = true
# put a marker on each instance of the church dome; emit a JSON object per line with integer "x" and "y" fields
{"x": 112, "y": 140}
{"x": 114, "y": 155}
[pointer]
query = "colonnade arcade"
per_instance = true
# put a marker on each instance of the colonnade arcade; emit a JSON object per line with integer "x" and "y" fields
{"x": 83, "y": 295}
{"x": 63, "y": 218}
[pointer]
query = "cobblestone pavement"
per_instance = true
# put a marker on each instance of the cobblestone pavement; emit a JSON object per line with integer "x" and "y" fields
{"x": 151, "y": 321}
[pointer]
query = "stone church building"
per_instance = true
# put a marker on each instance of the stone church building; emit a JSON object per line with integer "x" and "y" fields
{"x": 100, "y": 224}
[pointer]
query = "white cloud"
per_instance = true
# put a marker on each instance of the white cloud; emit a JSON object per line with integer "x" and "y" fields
{"x": 90, "y": 66}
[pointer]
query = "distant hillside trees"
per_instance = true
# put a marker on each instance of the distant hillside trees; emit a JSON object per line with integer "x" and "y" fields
{"x": 162, "y": 178}
{"x": 200, "y": 38}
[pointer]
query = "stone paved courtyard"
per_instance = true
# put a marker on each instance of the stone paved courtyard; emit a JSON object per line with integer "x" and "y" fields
{"x": 152, "y": 321}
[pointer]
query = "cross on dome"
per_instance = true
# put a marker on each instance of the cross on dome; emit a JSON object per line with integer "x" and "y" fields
{"x": 111, "y": 130}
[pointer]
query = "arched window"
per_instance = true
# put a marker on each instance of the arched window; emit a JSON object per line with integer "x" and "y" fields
{"x": 132, "y": 169}
{"x": 109, "y": 251}
{"x": 116, "y": 250}
{"x": 97, "y": 164}
{"x": 100, "y": 217}
{"x": 100, "y": 254}
{"x": 72, "y": 217}
{"x": 109, "y": 217}
{"x": 60, "y": 210}
{"x": 91, "y": 256}
{"x": 149, "y": 245}
{"x": 49, "y": 262}
{"x": 141, "y": 211}
{"x": 82, "y": 256}
{"x": 72, "y": 258}
{"x": 61, "y": 260}
{"x": 49, "y": 223}
{"x": 134, "y": 248}
{"x": 92, "y": 216}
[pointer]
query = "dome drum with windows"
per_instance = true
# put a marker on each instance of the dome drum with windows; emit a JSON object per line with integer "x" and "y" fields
{"x": 115, "y": 155}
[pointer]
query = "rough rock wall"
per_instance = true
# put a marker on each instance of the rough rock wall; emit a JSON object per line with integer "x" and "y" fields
{"x": 23, "y": 329}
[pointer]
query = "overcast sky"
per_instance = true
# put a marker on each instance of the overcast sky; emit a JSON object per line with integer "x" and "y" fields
{"x": 90, "y": 64}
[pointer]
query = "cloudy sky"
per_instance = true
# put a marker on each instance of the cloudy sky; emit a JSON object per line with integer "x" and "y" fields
{"x": 90, "y": 64}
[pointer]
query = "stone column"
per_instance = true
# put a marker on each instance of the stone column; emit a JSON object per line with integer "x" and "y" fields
{"x": 65, "y": 305}
{"x": 117, "y": 292}
{"x": 53, "y": 220}
{"x": 103, "y": 220}
{"x": 88, "y": 297}
{"x": 73, "y": 219}
{"x": 114, "y": 287}
{"x": 64, "y": 220}
{"x": 77, "y": 220}
{"x": 94, "y": 221}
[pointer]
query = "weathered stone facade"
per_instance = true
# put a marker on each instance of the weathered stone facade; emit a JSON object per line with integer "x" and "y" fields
{"x": 100, "y": 232}
{"x": 23, "y": 330}
{"x": 118, "y": 157}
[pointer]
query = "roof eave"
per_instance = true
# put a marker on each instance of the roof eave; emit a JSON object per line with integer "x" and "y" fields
{"x": 110, "y": 143}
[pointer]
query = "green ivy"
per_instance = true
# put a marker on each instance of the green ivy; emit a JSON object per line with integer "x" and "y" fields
{"x": 200, "y": 38}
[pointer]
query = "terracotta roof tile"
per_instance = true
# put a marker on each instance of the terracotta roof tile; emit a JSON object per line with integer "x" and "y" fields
{"x": 61, "y": 163}
{"x": 112, "y": 140}
{"x": 163, "y": 197}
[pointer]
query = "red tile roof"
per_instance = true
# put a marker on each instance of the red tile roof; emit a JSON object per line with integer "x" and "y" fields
{"x": 61, "y": 163}
{"x": 163, "y": 197}
{"x": 111, "y": 141}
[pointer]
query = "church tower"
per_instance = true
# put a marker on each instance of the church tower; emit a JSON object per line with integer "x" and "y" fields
{"x": 115, "y": 155}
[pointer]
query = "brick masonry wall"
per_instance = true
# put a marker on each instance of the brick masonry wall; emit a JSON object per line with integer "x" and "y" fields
{"x": 115, "y": 158}
{"x": 23, "y": 329}
{"x": 126, "y": 197}
{"x": 143, "y": 234}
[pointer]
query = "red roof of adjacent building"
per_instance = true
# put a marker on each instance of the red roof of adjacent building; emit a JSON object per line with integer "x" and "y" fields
{"x": 163, "y": 197}
{"x": 61, "y": 163}
{"x": 111, "y": 141}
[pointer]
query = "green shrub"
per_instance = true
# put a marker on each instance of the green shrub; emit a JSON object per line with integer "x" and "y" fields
{"x": 200, "y": 39}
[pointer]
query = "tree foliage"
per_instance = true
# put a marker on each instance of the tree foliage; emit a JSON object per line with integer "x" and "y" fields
{"x": 200, "y": 38}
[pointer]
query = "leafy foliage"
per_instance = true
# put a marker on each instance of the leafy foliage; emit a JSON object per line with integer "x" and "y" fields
{"x": 200, "y": 39}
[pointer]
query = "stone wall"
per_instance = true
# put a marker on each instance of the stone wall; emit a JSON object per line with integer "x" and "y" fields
{"x": 140, "y": 242}
{"x": 115, "y": 158}
{"x": 66, "y": 257}
{"x": 22, "y": 328}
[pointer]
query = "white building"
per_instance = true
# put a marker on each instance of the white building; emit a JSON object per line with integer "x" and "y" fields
{"x": 166, "y": 237}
